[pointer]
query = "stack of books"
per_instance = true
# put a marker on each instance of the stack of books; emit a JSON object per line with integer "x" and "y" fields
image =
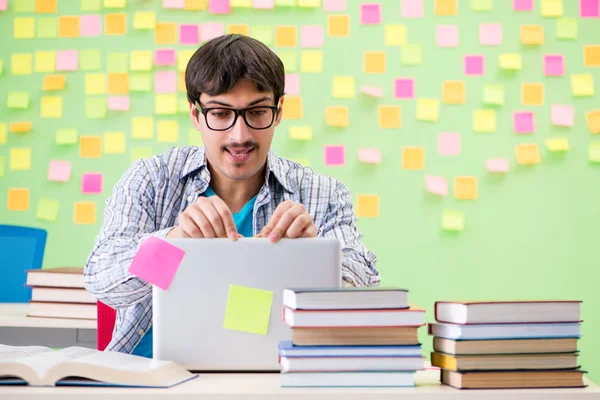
{"x": 59, "y": 293}
{"x": 520, "y": 344}
{"x": 357, "y": 337}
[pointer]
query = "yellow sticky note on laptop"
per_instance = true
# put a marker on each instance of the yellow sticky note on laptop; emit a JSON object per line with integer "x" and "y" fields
{"x": 337, "y": 116}
{"x": 248, "y": 310}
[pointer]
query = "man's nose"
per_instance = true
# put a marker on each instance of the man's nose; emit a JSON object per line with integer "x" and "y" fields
{"x": 239, "y": 132}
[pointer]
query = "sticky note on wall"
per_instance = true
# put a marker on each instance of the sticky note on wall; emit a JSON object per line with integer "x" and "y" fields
{"x": 413, "y": 158}
{"x": 91, "y": 183}
{"x": 367, "y": 206}
{"x": 337, "y": 116}
{"x": 18, "y": 199}
{"x": 20, "y": 159}
{"x": 465, "y": 187}
{"x": 453, "y": 220}
{"x": 593, "y": 121}
{"x": 390, "y": 117}
{"x": 47, "y": 210}
{"x": 369, "y": 156}
{"x": 436, "y": 185}
{"x": 527, "y": 154}
{"x": 59, "y": 171}
{"x": 335, "y": 155}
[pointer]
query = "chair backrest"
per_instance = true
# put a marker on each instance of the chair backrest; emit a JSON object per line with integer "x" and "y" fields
{"x": 106, "y": 324}
{"x": 21, "y": 249}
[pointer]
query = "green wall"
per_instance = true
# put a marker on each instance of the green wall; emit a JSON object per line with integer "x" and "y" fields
{"x": 530, "y": 234}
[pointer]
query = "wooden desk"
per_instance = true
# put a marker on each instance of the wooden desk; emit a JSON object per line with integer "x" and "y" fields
{"x": 267, "y": 386}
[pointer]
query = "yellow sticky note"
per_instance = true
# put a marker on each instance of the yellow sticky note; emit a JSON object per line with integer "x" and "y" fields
{"x": 453, "y": 220}
{"x": 45, "y": 61}
{"x": 582, "y": 85}
{"x": 18, "y": 199}
{"x": 165, "y": 33}
{"x": 527, "y": 154}
{"x": 48, "y": 210}
{"x": 240, "y": 3}
{"x": 140, "y": 152}
{"x": 374, "y": 62}
{"x": 532, "y": 94}
{"x": 115, "y": 3}
{"x": 20, "y": 127}
{"x": 167, "y": 131}
{"x": 343, "y": 87}
{"x": 484, "y": 121}
{"x": 115, "y": 24}
{"x": 593, "y": 121}
{"x": 338, "y": 25}
{"x": 95, "y": 84}
{"x": 144, "y": 20}
{"x": 413, "y": 158}
{"x": 428, "y": 109}
{"x": 557, "y": 144}
{"x": 311, "y": 61}
{"x": 68, "y": 26}
{"x": 20, "y": 159}
{"x": 84, "y": 213}
{"x": 181, "y": 85}
{"x": 24, "y": 28}
{"x": 118, "y": 83}
{"x": 292, "y": 107}
{"x": 20, "y": 64}
{"x": 591, "y": 55}
{"x": 183, "y": 58}
{"x": 300, "y": 133}
{"x": 337, "y": 116}
{"x": 510, "y": 61}
{"x": 54, "y": 82}
{"x": 395, "y": 35}
{"x": 142, "y": 128}
{"x": 45, "y": 6}
{"x": 532, "y": 34}
{"x": 52, "y": 107}
{"x": 240, "y": 29}
{"x": 286, "y": 36}
{"x": 114, "y": 143}
{"x": 390, "y": 117}
{"x": 90, "y": 146}
{"x": 367, "y": 206}
{"x": 140, "y": 60}
{"x": 453, "y": 92}
{"x": 197, "y": 5}
{"x": 248, "y": 310}
{"x": 165, "y": 104}
{"x": 3, "y": 133}
{"x": 465, "y": 187}
{"x": 552, "y": 8}
{"x": 446, "y": 7}
{"x": 309, "y": 3}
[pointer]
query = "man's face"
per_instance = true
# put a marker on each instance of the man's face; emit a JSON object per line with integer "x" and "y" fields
{"x": 239, "y": 152}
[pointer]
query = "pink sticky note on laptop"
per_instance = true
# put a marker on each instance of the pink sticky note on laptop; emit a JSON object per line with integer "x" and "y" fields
{"x": 90, "y": 25}
{"x": 524, "y": 122}
{"x": 91, "y": 183}
{"x": 563, "y": 115}
{"x": 312, "y": 36}
{"x": 497, "y": 165}
{"x": 292, "y": 84}
{"x": 59, "y": 171}
{"x": 156, "y": 262}
{"x": 335, "y": 155}
{"x": 164, "y": 57}
{"x": 436, "y": 185}
{"x": 589, "y": 8}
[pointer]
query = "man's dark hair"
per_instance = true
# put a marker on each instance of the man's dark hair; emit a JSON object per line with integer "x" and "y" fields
{"x": 221, "y": 62}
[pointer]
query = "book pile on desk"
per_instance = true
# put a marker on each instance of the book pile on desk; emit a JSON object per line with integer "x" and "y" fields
{"x": 59, "y": 293}
{"x": 523, "y": 344}
{"x": 350, "y": 337}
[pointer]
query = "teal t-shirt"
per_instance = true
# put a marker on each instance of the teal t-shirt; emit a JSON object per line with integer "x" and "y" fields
{"x": 243, "y": 224}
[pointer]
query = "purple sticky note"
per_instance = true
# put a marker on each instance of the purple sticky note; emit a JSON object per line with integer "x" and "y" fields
{"x": 563, "y": 115}
{"x": 59, "y": 171}
{"x": 372, "y": 91}
{"x": 164, "y": 57}
{"x": 446, "y": 36}
{"x": 156, "y": 262}
{"x": 369, "y": 156}
{"x": 211, "y": 30}
{"x": 312, "y": 36}
{"x": 3, "y": 4}
{"x": 335, "y": 155}
{"x": 91, "y": 183}
{"x": 90, "y": 25}
{"x": 189, "y": 34}
{"x": 292, "y": 84}
{"x": 554, "y": 65}
{"x": 263, "y": 4}
{"x": 404, "y": 88}
{"x": 523, "y": 5}
{"x": 118, "y": 103}
{"x": 497, "y": 165}
{"x": 436, "y": 185}
{"x": 449, "y": 144}
{"x": 165, "y": 82}
{"x": 219, "y": 7}
{"x": 66, "y": 60}
{"x": 180, "y": 4}
{"x": 474, "y": 65}
{"x": 589, "y": 8}
{"x": 412, "y": 8}
{"x": 490, "y": 34}
{"x": 370, "y": 14}
{"x": 524, "y": 122}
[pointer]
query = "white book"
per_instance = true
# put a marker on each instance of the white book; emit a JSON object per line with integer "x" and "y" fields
{"x": 63, "y": 310}
{"x": 287, "y": 349}
{"x": 56, "y": 277}
{"x": 61, "y": 295}
{"x": 348, "y": 379}
{"x": 505, "y": 331}
{"x": 81, "y": 366}
{"x": 330, "y": 364}
{"x": 345, "y": 298}
{"x": 376, "y": 317}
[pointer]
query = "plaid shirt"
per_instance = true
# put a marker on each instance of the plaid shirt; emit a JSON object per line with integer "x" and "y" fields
{"x": 153, "y": 192}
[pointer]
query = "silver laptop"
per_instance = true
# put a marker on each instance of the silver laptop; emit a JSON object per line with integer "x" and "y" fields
{"x": 219, "y": 313}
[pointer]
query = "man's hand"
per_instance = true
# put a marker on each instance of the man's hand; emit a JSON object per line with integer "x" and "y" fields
{"x": 290, "y": 220}
{"x": 207, "y": 217}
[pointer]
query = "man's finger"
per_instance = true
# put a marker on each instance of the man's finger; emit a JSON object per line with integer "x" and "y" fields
{"x": 285, "y": 221}
{"x": 202, "y": 222}
{"x": 310, "y": 232}
{"x": 189, "y": 227}
{"x": 279, "y": 211}
{"x": 214, "y": 218}
{"x": 298, "y": 226}
{"x": 226, "y": 217}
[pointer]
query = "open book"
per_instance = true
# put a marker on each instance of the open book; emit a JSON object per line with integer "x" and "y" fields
{"x": 42, "y": 366}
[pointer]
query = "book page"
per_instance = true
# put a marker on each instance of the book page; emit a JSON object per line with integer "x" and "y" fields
{"x": 14, "y": 352}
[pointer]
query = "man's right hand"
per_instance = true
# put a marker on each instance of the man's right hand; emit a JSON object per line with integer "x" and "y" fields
{"x": 207, "y": 217}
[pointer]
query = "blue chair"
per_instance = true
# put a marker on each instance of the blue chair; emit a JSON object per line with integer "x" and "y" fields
{"x": 21, "y": 249}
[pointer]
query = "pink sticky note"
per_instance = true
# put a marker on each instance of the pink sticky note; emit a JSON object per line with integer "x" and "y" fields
{"x": 490, "y": 34}
{"x": 211, "y": 30}
{"x": 334, "y": 5}
{"x": 90, "y": 25}
{"x": 474, "y": 65}
{"x": 446, "y": 36}
{"x": 118, "y": 103}
{"x": 449, "y": 144}
{"x": 404, "y": 88}
{"x": 189, "y": 34}
{"x": 372, "y": 91}
{"x": 156, "y": 262}
{"x": 174, "y": 4}
{"x": 497, "y": 165}
{"x": 292, "y": 84}
{"x": 563, "y": 115}
{"x": 3, "y": 4}
{"x": 165, "y": 82}
{"x": 91, "y": 183}
{"x": 524, "y": 122}
{"x": 554, "y": 65}
{"x": 312, "y": 36}
{"x": 66, "y": 60}
{"x": 370, "y": 14}
{"x": 335, "y": 155}
{"x": 369, "y": 156}
{"x": 219, "y": 7}
{"x": 436, "y": 185}
{"x": 264, "y": 4}
{"x": 589, "y": 8}
{"x": 164, "y": 57}
{"x": 59, "y": 171}
{"x": 412, "y": 8}
{"x": 523, "y": 5}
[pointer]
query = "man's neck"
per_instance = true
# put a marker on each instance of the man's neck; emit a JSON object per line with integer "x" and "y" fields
{"x": 236, "y": 193}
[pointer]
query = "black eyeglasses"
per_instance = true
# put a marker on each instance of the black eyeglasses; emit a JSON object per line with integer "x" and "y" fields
{"x": 222, "y": 118}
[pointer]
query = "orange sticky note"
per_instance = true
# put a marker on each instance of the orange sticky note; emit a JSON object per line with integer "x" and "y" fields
{"x": 20, "y": 127}
{"x": 240, "y": 29}
{"x": 593, "y": 121}
{"x": 292, "y": 107}
{"x": 446, "y": 7}
{"x": 390, "y": 117}
{"x": 85, "y": 212}
{"x": 465, "y": 187}
{"x": 18, "y": 199}
{"x": 337, "y": 116}
{"x": 165, "y": 33}
{"x": 115, "y": 24}
{"x": 286, "y": 36}
{"x": 90, "y": 146}
{"x": 453, "y": 92}
{"x": 20, "y": 159}
{"x": 338, "y": 25}
{"x": 532, "y": 34}
{"x": 527, "y": 154}
{"x": 591, "y": 55}
{"x": 374, "y": 62}
{"x": 532, "y": 94}
{"x": 54, "y": 82}
{"x": 118, "y": 83}
{"x": 68, "y": 26}
{"x": 413, "y": 158}
{"x": 45, "y": 6}
{"x": 196, "y": 5}
{"x": 367, "y": 206}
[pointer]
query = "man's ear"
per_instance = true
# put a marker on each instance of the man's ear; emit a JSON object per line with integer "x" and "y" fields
{"x": 194, "y": 116}
{"x": 280, "y": 112}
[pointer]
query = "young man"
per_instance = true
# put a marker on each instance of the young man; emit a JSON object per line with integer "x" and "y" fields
{"x": 233, "y": 186}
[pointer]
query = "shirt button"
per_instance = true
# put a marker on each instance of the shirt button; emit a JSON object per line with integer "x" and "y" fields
{"x": 190, "y": 198}
{"x": 140, "y": 331}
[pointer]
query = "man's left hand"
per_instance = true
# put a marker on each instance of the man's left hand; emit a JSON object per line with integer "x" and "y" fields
{"x": 290, "y": 220}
